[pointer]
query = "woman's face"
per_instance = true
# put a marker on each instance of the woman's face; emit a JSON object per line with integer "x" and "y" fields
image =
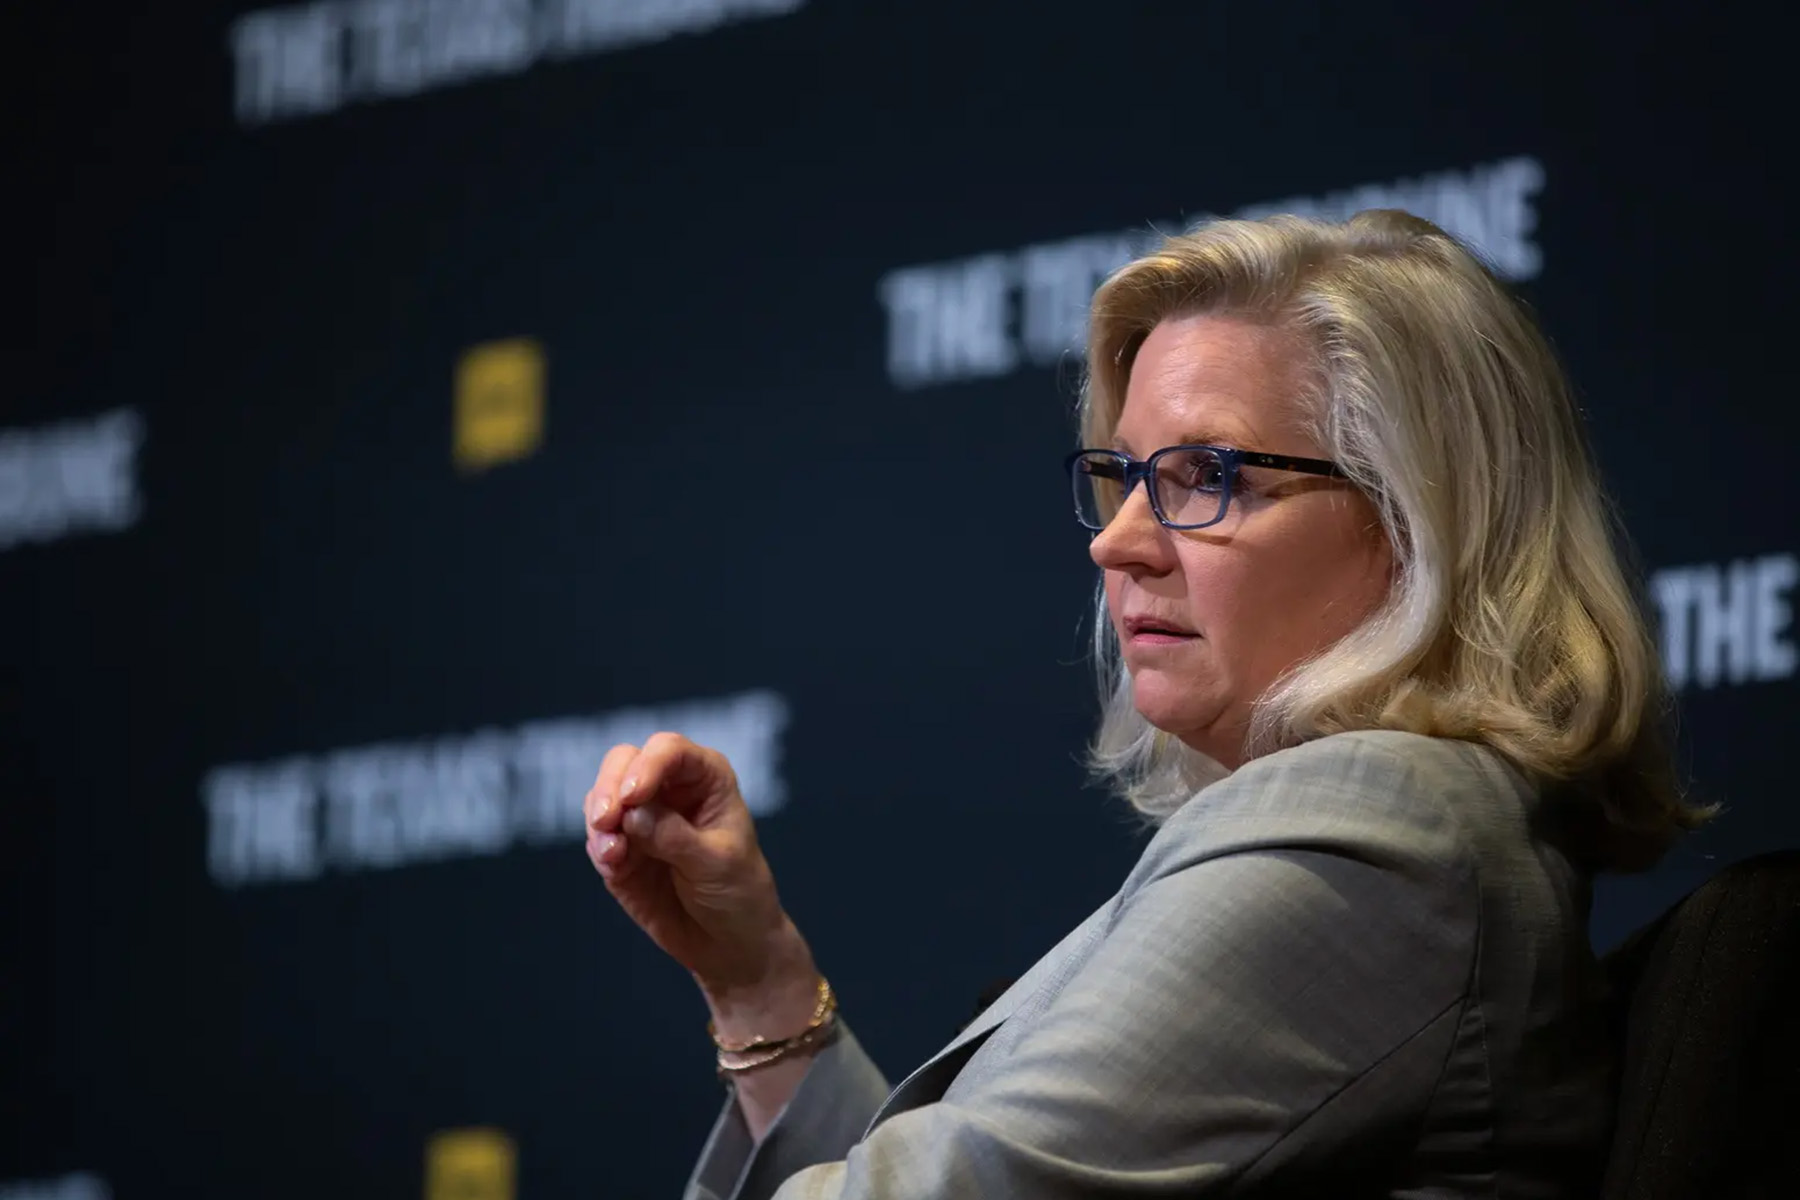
{"x": 1208, "y": 618}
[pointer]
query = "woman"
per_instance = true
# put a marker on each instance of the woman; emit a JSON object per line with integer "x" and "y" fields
{"x": 1373, "y": 667}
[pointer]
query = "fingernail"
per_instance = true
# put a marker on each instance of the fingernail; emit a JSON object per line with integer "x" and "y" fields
{"x": 639, "y": 822}
{"x": 628, "y": 787}
{"x": 602, "y": 812}
{"x": 608, "y": 841}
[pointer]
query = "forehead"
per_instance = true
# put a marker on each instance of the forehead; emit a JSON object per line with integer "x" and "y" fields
{"x": 1210, "y": 379}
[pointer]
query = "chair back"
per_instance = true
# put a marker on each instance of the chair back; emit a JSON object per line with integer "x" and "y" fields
{"x": 1709, "y": 1015}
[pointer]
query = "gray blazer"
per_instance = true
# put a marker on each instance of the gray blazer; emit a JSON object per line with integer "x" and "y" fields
{"x": 1358, "y": 967}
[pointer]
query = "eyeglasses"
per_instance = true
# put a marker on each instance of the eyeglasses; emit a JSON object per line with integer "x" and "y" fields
{"x": 1190, "y": 486}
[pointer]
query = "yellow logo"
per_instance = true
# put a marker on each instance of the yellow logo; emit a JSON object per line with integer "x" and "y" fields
{"x": 470, "y": 1164}
{"x": 499, "y": 403}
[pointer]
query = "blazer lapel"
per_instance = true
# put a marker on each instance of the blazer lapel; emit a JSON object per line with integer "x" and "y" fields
{"x": 929, "y": 1082}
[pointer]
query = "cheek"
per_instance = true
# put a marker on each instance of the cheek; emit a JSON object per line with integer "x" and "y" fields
{"x": 1260, "y": 610}
{"x": 1114, "y": 584}
{"x": 1294, "y": 603}
{"x": 1223, "y": 591}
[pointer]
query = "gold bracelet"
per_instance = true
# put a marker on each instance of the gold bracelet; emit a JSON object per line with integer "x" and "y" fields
{"x": 822, "y": 1010}
{"x": 775, "y": 1051}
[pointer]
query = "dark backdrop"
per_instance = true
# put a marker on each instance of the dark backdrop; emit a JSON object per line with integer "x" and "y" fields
{"x": 298, "y": 704}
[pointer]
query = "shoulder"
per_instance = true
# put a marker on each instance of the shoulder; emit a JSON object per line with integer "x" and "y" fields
{"x": 1371, "y": 766}
{"x": 1383, "y": 797}
{"x": 1357, "y": 859}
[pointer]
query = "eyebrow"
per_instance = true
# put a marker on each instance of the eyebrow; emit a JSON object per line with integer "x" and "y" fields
{"x": 1203, "y": 436}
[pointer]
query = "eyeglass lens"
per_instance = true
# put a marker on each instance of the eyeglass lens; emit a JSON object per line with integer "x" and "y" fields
{"x": 1191, "y": 487}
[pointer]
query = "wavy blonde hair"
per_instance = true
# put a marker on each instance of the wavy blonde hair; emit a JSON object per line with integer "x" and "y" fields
{"x": 1511, "y": 621}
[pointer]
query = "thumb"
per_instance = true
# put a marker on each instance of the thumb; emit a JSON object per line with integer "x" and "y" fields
{"x": 668, "y": 837}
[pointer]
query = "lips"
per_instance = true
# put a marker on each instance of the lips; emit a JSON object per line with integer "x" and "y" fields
{"x": 1142, "y": 625}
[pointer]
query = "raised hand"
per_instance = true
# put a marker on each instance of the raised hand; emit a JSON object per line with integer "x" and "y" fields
{"x": 671, "y": 836}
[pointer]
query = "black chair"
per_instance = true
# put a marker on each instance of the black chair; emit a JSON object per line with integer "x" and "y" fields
{"x": 1709, "y": 1014}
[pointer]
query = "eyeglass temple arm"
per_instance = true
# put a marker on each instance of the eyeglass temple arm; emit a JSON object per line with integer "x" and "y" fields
{"x": 1284, "y": 462}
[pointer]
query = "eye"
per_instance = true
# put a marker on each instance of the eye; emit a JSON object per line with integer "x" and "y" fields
{"x": 1203, "y": 472}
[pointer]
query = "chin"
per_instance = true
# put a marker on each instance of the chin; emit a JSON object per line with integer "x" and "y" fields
{"x": 1170, "y": 705}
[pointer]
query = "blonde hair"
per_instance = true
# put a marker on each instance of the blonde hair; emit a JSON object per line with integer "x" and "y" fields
{"x": 1511, "y": 622}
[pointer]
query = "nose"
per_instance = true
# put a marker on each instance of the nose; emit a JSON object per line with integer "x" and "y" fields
{"x": 1134, "y": 540}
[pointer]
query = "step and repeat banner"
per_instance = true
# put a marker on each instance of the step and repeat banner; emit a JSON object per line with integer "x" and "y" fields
{"x": 436, "y": 392}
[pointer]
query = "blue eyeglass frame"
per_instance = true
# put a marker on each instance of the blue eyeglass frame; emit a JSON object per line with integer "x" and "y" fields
{"x": 1230, "y": 458}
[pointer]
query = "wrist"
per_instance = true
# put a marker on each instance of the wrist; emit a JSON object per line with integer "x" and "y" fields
{"x": 775, "y": 1002}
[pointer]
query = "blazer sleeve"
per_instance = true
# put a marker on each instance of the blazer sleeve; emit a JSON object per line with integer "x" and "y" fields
{"x": 835, "y": 1102}
{"x": 1299, "y": 936}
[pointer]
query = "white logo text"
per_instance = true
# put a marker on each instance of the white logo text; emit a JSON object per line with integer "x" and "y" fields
{"x": 385, "y": 806}
{"x": 987, "y": 316}
{"x": 73, "y": 477}
{"x": 1728, "y": 624}
{"x": 310, "y": 59}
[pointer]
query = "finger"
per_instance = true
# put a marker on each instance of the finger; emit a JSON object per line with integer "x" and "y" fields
{"x": 594, "y": 855}
{"x": 667, "y": 763}
{"x": 631, "y": 863}
{"x": 606, "y": 784}
{"x": 621, "y": 873}
{"x": 598, "y": 806}
{"x": 607, "y": 848}
{"x": 665, "y": 835}
{"x": 611, "y": 855}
